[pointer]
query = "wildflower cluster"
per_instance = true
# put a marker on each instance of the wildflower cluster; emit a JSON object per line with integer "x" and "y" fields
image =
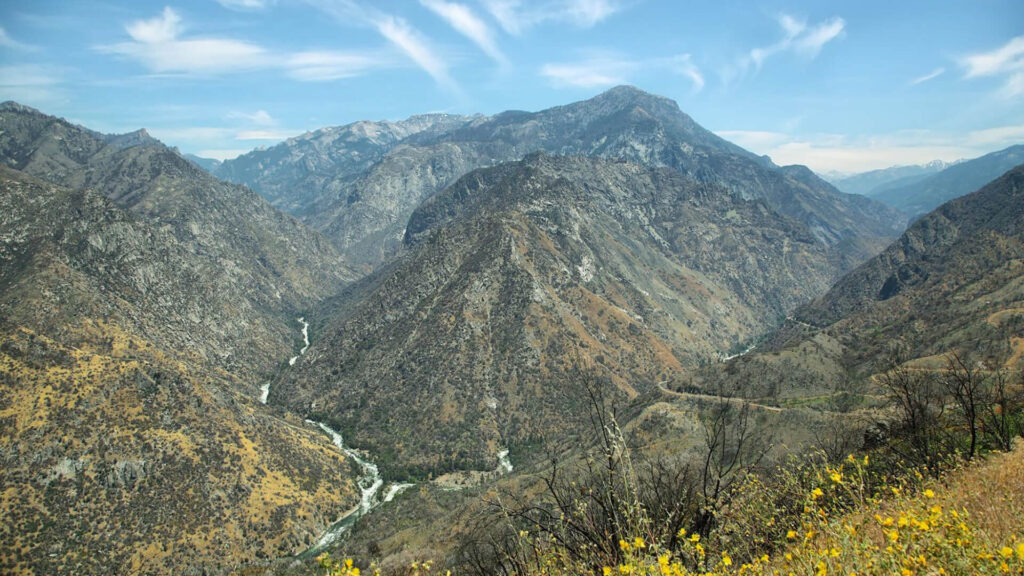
{"x": 641, "y": 559}
{"x": 333, "y": 567}
{"x": 907, "y": 535}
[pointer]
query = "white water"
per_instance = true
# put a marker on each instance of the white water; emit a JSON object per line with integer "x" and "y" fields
{"x": 395, "y": 490}
{"x": 744, "y": 353}
{"x": 369, "y": 484}
{"x": 265, "y": 389}
{"x": 504, "y": 464}
{"x": 305, "y": 340}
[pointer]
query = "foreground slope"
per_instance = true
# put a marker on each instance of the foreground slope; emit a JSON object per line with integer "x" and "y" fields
{"x": 526, "y": 283}
{"x": 253, "y": 269}
{"x": 123, "y": 449}
{"x": 364, "y": 210}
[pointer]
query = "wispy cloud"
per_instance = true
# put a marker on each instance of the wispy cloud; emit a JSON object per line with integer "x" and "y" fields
{"x": 515, "y": 16}
{"x": 929, "y": 76}
{"x": 159, "y": 44}
{"x": 1005, "y": 62}
{"x": 221, "y": 153}
{"x": 396, "y": 31}
{"x": 407, "y": 39}
{"x": 594, "y": 73}
{"x": 325, "y": 66}
{"x": 799, "y": 38}
{"x": 275, "y": 135}
{"x": 156, "y": 45}
{"x": 609, "y": 70}
{"x": 7, "y": 42}
{"x": 31, "y": 84}
{"x": 245, "y": 4}
{"x": 836, "y": 152}
{"x": 465, "y": 22}
{"x": 259, "y": 117}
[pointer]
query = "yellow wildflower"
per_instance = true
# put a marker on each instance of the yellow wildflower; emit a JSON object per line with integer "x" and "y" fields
{"x": 817, "y": 493}
{"x": 929, "y": 494}
{"x": 837, "y": 477}
{"x": 623, "y": 545}
{"x": 791, "y": 535}
{"x": 639, "y": 543}
{"x": 1006, "y": 552}
{"x": 727, "y": 561}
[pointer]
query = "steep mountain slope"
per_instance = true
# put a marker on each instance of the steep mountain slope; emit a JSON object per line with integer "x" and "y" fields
{"x": 953, "y": 282}
{"x": 365, "y": 212}
{"x": 296, "y": 174}
{"x": 528, "y": 282}
{"x": 122, "y": 449}
{"x": 867, "y": 183}
{"x": 241, "y": 271}
{"x": 924, "y": 195}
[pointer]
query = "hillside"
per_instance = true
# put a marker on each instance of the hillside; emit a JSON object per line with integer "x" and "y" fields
{"x": 954, "y": 282}
{"x": 123, "y": 449}
{"x": 526, "y": 282}
{"x": 214, "y": 270}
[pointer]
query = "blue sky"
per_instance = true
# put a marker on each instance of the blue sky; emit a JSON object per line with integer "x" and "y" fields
{"x": 844, "y": 86}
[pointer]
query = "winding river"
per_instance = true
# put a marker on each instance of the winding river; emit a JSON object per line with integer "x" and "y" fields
{"x": 370, "y": 482}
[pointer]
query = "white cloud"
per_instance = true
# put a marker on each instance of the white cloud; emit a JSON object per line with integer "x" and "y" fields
{"x": 588, "y": 74}
{"x": 191, "y": 133}
{"x": 1001, "y": 136}
{"x": 259, "y": 117}
{"x": 839, "y": 153}
{"x": 7, "y": 42}
{"x": 515, "y": 17}
{"x": 244, "y": 4}
{"x": 396, "y": 31}
{"x": 163, "y": 28}
{"x": 603, "y": 71}
{"x": 684, "y": 66}
{"x": 408, "y": 40}
{"x": 799, "y": 38}
{"x": 929, "y": 76}
{"x": 159, "y": 45}
{"x": 31, "y": 84}
{"x": 811, "y": 43}
{"x": 754, "y": 139}
{"x": 462, "y": 19}
{"x": 324, "y": 66}
{"x": 222, "y": 154}
{"x": 267, "y": 134}
{"x": 1007, "y": 61}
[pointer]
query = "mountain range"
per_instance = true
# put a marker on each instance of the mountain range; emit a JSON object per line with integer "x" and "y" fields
{"x": 444, "y": 292}
{"x": 359, "y": 184}
{"x": 922, "y": 195}
{"x": 867, "y": 183}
